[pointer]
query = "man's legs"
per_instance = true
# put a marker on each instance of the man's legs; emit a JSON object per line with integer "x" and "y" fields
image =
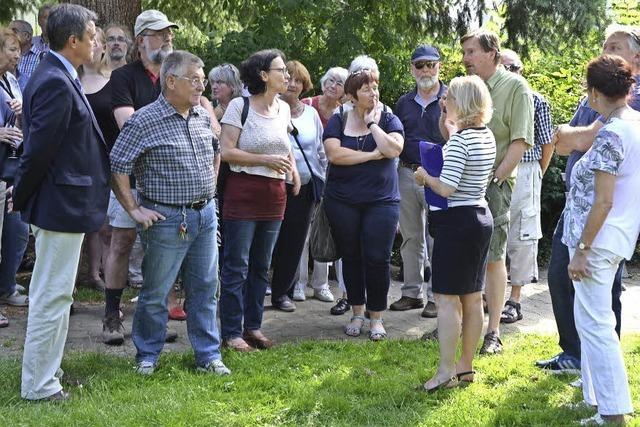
{"x": 413, "y": 248}
{"x": 50, "y": 297}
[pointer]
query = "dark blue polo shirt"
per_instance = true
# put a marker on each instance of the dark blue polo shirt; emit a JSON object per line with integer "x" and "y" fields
{"x": 420, "y": 124}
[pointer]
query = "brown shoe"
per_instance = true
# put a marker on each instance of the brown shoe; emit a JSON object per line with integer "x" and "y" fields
{"x": 407, "y": 303}
{"x": 238, "y": 344}
{"x": 263, "y": 343}
{"x": 430, "y": 310}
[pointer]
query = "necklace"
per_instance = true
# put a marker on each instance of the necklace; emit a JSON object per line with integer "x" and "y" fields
{"x": 614, "y": 111}
{"x": 297, "y": 110}
{"x": 360, "y": 140}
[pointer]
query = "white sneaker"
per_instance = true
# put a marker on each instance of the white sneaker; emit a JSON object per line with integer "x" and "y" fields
{"x": 577, "y": 383}
{"x": 145, "y": 367}
{"x": 298, "y": 293}
{"x": 323, "y": 294}
{"x": 215, "y": 366}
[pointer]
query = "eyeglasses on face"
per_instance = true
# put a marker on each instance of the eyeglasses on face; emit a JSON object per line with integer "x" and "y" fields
{"x": 421, "y": 64}
{"x": 283, "y": 70}
{"x": 162, "y": 34}
{"x": 195, "y": 81}
{"x": 511, "y": 67}
{"x": 119, "y": 39}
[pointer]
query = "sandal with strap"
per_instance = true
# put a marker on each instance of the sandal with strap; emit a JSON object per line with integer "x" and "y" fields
{"x": 463, "y": 380}
{"x": 351, "y": 329}
{"x": 377, "y": 335}
{"x": 4, "y": 322}
{"x": 512, "y": 312}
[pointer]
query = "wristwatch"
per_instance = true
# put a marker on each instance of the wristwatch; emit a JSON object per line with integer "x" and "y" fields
{"x": 583, "y": 247}
{"x": 370, "y": 124}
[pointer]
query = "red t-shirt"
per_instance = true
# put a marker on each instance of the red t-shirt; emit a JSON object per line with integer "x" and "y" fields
{"x": 253, "y": 198}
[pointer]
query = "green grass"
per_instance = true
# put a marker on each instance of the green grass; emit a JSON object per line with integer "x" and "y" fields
{"x": 310, "y": 383}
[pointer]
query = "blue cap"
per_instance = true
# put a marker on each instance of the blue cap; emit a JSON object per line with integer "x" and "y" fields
{"x": 425, "y": 52}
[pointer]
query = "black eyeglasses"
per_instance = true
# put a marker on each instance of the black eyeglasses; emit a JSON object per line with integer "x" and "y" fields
{"x": 421, "y": 64}
{"x": 512, "y": 67}
{"x": 119, "y": 39}
{"x": 283, "y": 70}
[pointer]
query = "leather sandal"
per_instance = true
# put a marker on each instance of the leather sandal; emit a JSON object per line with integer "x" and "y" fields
{"x": 463, "y": 378}
{"x": 511, "y": 313}
{"x": 351, "y": 329}
{"x": 446, "y": 384}
{"x": 238, "y": 344}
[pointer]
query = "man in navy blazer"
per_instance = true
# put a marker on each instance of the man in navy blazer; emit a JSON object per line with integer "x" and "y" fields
{"x": 61, "y": 189}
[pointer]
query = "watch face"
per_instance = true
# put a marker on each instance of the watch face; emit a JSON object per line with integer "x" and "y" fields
{"x": 581, "y": 246}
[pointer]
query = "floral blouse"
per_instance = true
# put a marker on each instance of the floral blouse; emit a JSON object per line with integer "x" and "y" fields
{"x": 605, "y": 155}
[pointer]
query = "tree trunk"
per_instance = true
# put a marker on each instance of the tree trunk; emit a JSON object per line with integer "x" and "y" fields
{"x": 113, "y": 11}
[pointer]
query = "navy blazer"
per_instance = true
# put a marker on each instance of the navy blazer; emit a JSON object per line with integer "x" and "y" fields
{"x": 62, "y": 183}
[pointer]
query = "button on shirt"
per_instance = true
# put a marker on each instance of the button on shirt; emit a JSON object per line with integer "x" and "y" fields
{"x": 420, "y": 121}
{"x": 170, "y": 156}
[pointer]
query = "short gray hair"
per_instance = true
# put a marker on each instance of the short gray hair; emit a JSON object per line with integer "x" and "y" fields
{"x": 21, "y": 25}
{"x": 516, "y": 58}
{"x": 337, "y": 73}
{"x": 66, "y": 20}
{"x": 175, "y": 63}
{"x": 362, "y": 62}
{"x": 632, "y": 33}
{"x": 229, "y": 74}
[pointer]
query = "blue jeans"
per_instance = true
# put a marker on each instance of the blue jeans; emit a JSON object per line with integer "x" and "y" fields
{"x": 248, "y": 246}
{"x": 165, "y": 252}
{"x": 15, "y": 236}
{"x": 562, "y": 294}
{"x": 364, "y": 235}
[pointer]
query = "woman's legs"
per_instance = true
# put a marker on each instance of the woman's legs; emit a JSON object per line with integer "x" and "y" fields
{"x": 472, "y": 321}
{"x": 449, "y": 320}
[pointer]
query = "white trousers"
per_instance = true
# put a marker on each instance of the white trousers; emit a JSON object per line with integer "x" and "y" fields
{"x": 50, "y": 297}
{"x": 320, "y": 276}
{"x": 604, "y": 378}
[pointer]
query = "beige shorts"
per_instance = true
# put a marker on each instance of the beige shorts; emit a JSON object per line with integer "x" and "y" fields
{"x": 117, "y": 216}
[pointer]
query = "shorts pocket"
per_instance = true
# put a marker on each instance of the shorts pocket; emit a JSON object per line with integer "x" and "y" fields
{"x": 530, "y": 228}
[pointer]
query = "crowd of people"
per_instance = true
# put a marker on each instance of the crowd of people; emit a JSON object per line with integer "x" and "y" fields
{"x": 108, "y": 139}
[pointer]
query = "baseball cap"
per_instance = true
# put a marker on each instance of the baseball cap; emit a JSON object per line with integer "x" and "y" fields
{"x": 152, "y": 20}
{"x": 425, "y": 52}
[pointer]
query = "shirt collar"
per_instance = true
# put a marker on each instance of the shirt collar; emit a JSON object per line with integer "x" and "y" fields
{"x": 497, "y": 76}
{"x": 67, "y": 64}
{"x": 167, "y": 110}
{"x": 39, "y": 45}
{"x": 425, "y": 102}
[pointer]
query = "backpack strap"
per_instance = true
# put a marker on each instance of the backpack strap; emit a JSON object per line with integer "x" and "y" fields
{"x": 245, "y": 110}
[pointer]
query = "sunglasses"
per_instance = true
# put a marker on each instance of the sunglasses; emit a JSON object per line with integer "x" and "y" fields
{"x": 421, "y": 64}
{"x": 512, "y": 67}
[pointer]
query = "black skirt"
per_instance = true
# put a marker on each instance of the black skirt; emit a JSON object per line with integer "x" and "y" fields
{"x": 461, "y": 238}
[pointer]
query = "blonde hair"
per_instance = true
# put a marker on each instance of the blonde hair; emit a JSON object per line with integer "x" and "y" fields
{"x": 472, "y": 101}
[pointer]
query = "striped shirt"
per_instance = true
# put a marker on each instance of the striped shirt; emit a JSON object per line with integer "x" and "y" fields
{"x": 468, "y": 161}
{"x": 542, "y": 129}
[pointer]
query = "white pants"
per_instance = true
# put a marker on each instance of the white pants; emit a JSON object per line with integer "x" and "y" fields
{"x": 604, "y": 378}
{"x": 50, "y": 297}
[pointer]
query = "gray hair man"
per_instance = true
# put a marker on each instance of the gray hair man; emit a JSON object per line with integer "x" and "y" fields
{"x": 170, "y": 146}
{"x": 419, "y": 112}
{"x": 526, "y": 230}
{"x": 38, "y": 47}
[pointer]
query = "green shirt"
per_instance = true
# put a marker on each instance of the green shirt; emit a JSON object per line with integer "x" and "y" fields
{"x": 512, "y": 113}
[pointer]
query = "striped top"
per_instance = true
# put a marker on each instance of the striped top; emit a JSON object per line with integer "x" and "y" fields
{"x": 468, "y": 161}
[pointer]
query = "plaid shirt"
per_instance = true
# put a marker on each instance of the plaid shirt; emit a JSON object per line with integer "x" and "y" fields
{"x": 170, "y": 156}
{"x": 542, "y": 129}
{"x": 30, "y": 60}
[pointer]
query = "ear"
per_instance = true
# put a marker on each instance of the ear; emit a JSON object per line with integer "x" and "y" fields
{"x": 264, "y": 75}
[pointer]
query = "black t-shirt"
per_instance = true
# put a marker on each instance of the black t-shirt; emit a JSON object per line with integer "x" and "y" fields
{"x": 100, "y": 102}
{"x": 131, "y": 86}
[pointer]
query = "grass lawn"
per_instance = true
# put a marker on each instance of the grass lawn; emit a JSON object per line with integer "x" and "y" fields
{"x": 311, "y": 383}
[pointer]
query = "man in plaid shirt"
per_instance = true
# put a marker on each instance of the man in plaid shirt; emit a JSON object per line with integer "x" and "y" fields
{"x": 39, "y": 47}
{"x": 525, "y": 230}
{"x": 169, "y": 146}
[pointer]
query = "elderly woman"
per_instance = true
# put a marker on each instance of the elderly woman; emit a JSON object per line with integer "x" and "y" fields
{"x": 601, "y": 226}
{"x": 225, "y": 86}
{"x": 306, "y": 140}
{"x": 332, "y": 85}
{"x": 260, "y": 157}
{"x": 362, "y": 199}
{"x": 15, "y": 233}
{"x": 463, "y": 230}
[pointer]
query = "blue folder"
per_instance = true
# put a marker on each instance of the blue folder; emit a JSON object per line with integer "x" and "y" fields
{"x": 432, "y": 161}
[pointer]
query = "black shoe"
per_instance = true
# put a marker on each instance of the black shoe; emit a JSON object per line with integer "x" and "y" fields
{"x": 112, "y": 330}
{"x": 511, "y": 313}
{"x": 430, "y": 310}
{"x": 491, "y": 344}
{"x": 406, "y": 303}
{"x": 341, "y": 307}
{"x": 284, "y": 303}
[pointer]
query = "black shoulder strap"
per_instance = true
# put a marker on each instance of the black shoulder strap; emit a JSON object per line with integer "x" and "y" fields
{"x": 245, "y": 110}
{"x": 343, "y": 120}
{"x": 294, "y": 133}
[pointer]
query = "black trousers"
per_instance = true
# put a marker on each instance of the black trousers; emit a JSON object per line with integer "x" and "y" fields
{"x": 293, "y": 233}
{"x": 562, "y": 294}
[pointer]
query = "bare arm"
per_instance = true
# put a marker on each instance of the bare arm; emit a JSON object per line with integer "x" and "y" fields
{"x": 342, "y": 156}
{"x": 122, "y": 114}
{"x": 511, "y": 159}
{"x": 121, "y": 186}
{"x": 215, "y": 125}
{"x": 602, "y": 203}
{"x": 580, "y": 138}
{"x": 547, "y": 154}
{"x": 423, "y": 178}
{"x": 232, "y": 154}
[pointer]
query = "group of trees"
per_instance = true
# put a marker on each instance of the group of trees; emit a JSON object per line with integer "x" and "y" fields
{"x": 556, "y": 38}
